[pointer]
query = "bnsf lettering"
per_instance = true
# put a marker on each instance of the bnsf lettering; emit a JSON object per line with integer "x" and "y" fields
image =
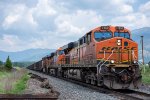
{"x": 117, "y": 48}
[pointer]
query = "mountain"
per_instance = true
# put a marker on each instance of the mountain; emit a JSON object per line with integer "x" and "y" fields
{"x": 26, "y": 55}
{"x": 136, "y": 36}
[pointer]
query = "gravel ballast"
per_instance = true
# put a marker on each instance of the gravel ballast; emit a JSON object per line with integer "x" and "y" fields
{"x": 70, "y": 91}
{"x": 144, "y": 88}
{"x": 33, "y": 87}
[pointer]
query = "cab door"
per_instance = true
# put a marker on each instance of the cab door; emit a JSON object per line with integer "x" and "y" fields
{"x": 89, "y": 48}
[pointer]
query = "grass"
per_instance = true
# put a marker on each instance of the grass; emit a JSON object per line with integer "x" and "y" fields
{"x": 4, "y": 74}
{"x": 13, "y": 82}
{"x": 20, "y": 85}
{"x": 146, "y": 75}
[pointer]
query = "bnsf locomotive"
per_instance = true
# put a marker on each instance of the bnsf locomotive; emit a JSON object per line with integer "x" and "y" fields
{"x": 105, "y": 56}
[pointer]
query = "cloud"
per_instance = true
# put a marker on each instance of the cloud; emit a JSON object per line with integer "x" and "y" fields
{"x": 78, "y": 22}
{"x": 145, "y": 8}
{"x": 44, "y": 8}
{"x": 19, "y": 17}
{"x": 105, "y": 7}
{"x": 136, "y": 19}
{"x": 9, "y": 42}
{"x": 53, "y": 23}
{"x": 132, "y": 21}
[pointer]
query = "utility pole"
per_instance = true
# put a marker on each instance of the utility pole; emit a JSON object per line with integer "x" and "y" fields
{"x": 142, "y": 49}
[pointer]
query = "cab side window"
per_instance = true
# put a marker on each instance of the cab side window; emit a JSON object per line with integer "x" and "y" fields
{"x": 88, "y": 37}
{"x": 81, "y": 41}
{"x": 84, "y": 39}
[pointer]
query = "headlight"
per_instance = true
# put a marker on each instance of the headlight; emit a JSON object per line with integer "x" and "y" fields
{"x": 119, "y": 42}
{"x": 112, "y": 61}
{"x": 134, "y": 61}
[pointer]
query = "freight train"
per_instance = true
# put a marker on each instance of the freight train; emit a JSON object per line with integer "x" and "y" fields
{"x": 105, "y": 56}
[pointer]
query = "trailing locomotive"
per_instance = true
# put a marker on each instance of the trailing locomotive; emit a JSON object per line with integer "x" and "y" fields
{"x": 105, "y": 56}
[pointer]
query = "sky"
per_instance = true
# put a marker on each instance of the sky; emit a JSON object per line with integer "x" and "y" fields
{"x": 26, "y": 24}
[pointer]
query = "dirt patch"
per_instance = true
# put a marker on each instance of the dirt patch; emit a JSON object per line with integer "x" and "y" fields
{"x": 37, "y": 85}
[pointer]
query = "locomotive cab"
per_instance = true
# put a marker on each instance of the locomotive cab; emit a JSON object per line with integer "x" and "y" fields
{"x": 60, "y": 56}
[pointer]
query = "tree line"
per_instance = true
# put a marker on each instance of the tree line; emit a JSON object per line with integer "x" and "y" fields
{"x": 8, "y": 64}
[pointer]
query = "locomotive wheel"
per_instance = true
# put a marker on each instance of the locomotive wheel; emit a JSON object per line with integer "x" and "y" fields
{"x": 100, "y": 81}
{"x": 43, "y": 70}
{"x": 46, "y": 70}
{"x": 93, "y": 82}
{"x": 65, "y": 74}
{"x": 87, "y": 80}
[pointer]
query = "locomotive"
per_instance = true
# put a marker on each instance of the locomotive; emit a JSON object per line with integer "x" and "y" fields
{"x": 105, "y": 56}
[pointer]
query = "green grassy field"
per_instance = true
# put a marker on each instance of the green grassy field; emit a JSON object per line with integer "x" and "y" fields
{"x": 13, "y": 82}
{"x": 146, "y": 75}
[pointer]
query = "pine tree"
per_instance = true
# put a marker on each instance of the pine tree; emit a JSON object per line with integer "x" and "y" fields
{"x": 8, "y": 64}
{"x": 1, "y": 63}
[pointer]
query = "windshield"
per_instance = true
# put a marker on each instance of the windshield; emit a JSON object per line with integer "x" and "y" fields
{"x": 102, "y": 35}
{"x": 122, "y": 34}
{"x": 60, "y": 52}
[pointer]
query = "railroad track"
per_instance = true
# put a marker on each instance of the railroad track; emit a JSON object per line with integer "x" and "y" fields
{"x": 139, "y": 94}
{"x": 122, "y": 95}
{"x": 27, "y": 97}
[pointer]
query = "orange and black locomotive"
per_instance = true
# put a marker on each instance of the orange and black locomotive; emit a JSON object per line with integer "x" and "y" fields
{"x": 105, "y": 56}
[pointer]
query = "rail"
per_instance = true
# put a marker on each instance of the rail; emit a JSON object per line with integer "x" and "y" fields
{"x": 27, "y": 97}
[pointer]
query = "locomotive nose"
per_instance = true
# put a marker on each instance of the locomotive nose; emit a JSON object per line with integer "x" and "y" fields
{"x": 119, "y": 51}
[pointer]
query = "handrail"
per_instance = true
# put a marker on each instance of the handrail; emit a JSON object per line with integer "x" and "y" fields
{"x": 134, "y": 56}
{"x": 106, "y": 60}
{"x": 102, "y": 58}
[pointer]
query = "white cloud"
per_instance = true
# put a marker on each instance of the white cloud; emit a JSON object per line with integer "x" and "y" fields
{"x": 115, "y": 7}
{"x": 126, "y": 8}
{"x": 77, "y": 23}
{"x": 50, "y": 24}
{"x": 44, "y": 8}
{"x": 9, "y": 43}
{"x": 14, "y": 43}
{"x": 19, "y": 16}
{"x": 145, "y": 7}
{"x": 132, "y": 21}
{"x": 9, "y": 20}
{"x": 121, "y": 6}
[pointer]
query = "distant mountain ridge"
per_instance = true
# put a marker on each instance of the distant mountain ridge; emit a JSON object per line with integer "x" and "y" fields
{"x": 26, "y": 55}
{"x": 136, "y": 35}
